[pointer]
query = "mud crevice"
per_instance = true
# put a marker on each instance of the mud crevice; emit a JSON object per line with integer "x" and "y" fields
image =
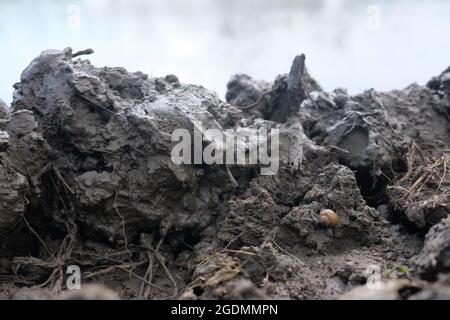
{"x": 373, "y": 189}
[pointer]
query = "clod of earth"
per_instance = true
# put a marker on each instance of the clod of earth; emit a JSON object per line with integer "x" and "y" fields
{"x": 86, "y": 179}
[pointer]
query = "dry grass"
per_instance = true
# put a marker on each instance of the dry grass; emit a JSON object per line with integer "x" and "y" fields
{"x": 423, "y": 170}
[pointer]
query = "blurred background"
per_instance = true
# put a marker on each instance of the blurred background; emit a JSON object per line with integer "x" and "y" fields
{"x": 355, "y": 44}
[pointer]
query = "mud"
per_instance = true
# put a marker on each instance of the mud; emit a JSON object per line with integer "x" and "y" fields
{"x": 86, "y": 179}
{"x": 4, "y": 110}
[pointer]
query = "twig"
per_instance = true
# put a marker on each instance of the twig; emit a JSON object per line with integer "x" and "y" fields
{"x": 148, "y": 275}
{"x": 162, "y": 261}
{"x": 175, "y": 289}
{"x": 338, "y": 149}
{"x": 59, "y": 175}
{"x": 240, "y": 251}
{"x": 82, "y": 52}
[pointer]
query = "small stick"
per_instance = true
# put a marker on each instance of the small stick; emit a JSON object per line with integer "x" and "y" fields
{"x": 240, "y": 251}
{"x": 148, "y": 275}
{"x": 161, "y": 259}
{"x": 83, "y": 52}
{"x": 338, "y": 149}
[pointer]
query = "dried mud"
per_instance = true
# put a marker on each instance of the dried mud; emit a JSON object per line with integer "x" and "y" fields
{"x": 86, "y": 179}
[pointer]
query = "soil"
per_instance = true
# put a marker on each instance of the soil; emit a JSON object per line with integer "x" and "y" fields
{"x": 86, "y": 179}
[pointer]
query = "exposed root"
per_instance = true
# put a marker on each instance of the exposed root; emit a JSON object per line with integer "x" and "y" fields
{"x": 59, "y": 175}
{"x": 122, "y": 223}
{"x": 146, "y": 243}
{"x": 145, "y": 292}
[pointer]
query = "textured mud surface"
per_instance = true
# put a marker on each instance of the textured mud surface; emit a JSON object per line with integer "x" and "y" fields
{"x": 86, "y": 179}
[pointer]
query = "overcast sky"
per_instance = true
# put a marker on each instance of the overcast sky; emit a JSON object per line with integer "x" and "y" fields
{"x": 352, "y": 44}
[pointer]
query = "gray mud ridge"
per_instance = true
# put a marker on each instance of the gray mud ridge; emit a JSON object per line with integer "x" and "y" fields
{"x": 86, "y": 179}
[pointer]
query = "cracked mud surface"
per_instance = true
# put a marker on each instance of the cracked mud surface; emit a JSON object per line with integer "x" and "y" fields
{"x": 86, "y": 179}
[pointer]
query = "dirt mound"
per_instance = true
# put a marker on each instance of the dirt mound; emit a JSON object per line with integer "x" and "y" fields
{"x": 87, "y": 179}
{"x": 434, "y": 257}
{"x": 4, "y": 110}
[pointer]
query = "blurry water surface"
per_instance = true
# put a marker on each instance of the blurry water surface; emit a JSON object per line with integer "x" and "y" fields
{"x": 353, "y": 44}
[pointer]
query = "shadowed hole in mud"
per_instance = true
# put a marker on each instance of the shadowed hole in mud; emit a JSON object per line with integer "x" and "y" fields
{"x": 20, "y": 242}
{"x": 182, "y": 241}
{"x": 315, "y": 135}
{"x": 373, "y": 189}
{"x": 24, "y": 241}
{"x": 198, "y": 291}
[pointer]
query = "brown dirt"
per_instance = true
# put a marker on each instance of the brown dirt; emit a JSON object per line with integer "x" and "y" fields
{"x": 86, "y": 179}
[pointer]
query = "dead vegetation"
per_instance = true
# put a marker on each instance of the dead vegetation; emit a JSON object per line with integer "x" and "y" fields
{"x": 423, "y": 169}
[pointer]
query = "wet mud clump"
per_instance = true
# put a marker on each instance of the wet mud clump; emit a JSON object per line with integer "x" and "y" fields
{"x": 359, "y": 199}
